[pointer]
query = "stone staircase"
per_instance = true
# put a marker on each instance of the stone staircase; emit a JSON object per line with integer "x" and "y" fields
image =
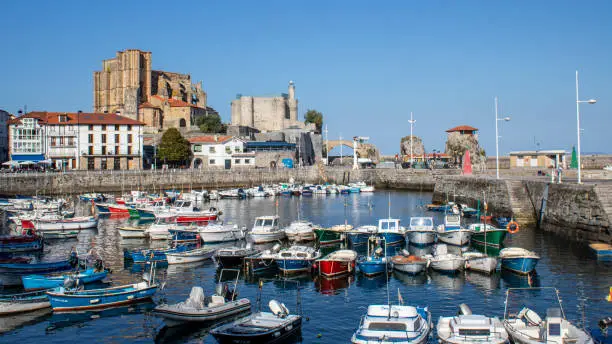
{"x": 520, "y": 203}
{"x": 604, "y": 194}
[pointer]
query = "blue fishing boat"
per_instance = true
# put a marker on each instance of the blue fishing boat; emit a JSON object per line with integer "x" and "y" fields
{"x": 296, "y": 259}
{"x": 32, "y": 282}
{"x": 88, "y": 197}
{"x": 376, "y": 261}
{"x": 391, "y": 231}
{"x": 102, "y": 208}
{"x": 518, "y": 260}
{"x": 23, "y": 302}
{"x": 359, "y": 236}
{"x": 184, "y": 235}
{"x": 62, "y": 299}
{"x": 10, "y": 273}
{"x": 20, "y": 243}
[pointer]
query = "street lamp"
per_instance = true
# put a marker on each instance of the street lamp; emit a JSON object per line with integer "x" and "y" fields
{"x": 411, "y": 121}
{"x": 590, "y": 101}
{"x": 497, "y": 119}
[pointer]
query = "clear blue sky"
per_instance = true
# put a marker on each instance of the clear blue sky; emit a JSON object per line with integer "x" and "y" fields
{"x": 364, "y": 64}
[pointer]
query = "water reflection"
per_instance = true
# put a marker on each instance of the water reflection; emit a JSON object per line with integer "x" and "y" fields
{"x": 514, "y": 280}
{"x": 485, "y": 282}
{"x": 333, "y": 286}
{"x": 15, "y": 321}
{"x": 411, "y": 279}
{"x": 58, "y": 321}
{"x": 448, "y": 281}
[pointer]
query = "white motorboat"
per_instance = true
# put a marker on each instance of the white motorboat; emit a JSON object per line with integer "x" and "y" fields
{"x": 451, "y": 231}
{"x": 526, "y": 326}
{"x": 214, "y": 233}
{"x": 190, "y": 256}
{"x": 266, "y": 229}
{"x": 159, "y": 230}
{"x": 394, "y": 324}
{"x": 75, "y": 223}
{"x": 444, "y": 261}
{"x": 409, "y": 263}
{"x": 479, "y": 261}
{"x": 198, "y": 308}
{"x": 466, "y": 328}
{"x": 421, "y": 231}
{"x": 390, "y": 230}
{"x": 300, "y": 231}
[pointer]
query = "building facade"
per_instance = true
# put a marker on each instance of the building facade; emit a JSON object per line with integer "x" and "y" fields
{"x": 68, "y": 141}
{"x": 128, "y": 85}
{"x": 4, "y": 147}
{"x": 538, "y": 159}
{"x": 216, "y": 151}
{"x": 267, "y": 113}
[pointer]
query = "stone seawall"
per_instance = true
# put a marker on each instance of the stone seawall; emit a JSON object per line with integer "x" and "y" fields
{"x": 115, "y": 181}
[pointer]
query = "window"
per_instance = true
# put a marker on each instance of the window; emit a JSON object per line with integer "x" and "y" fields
{"x": 129, "y": 127}
{"x": 90, "y": 163}
{"x": 182, "y": 123}
{"x": 211, "y": 162}
{"x": 237, "y": 149}
{"x": 247, "y": 161}
{"x": 90, "y": 150}
{"x": 53, "y": 142}
{"x": 117, "y": 164}
{"x": 116, "y": 138}
{"x": 61, "y": 141}
{"x": 90, "y": 127}
{"x": 103, "y": 150}
{"x": 197, "y": 148}
{"x": 129, "y": 151}
{"x": 116, "y": 127}
{"x": 236, "y": 161}
{"x": 211, "y": 149}
{"x": 103, "y": 164}
{"x": 103, "y": 138}
{"x": 228, "y": 149}
{"x": 103, "y": 127}
{"x": 129, "y": 138}
{"x": 90, "y": 138}
{"x": 116, "y": 150}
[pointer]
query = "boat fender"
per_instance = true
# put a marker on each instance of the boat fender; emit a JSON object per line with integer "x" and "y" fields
{"x": 605, "y": 323}
{"x": 513, "y": 227}
{"x": 405, "y": 252}
{"x": 530, "y": 316}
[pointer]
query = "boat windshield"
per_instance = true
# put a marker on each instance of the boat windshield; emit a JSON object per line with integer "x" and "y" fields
{"x": 388, "y": 225}
{"x": 264, "y": 222}
{"x": 421, "y": 222}
{"x": 452, "y": 218}
{"x": 386, "y": 326}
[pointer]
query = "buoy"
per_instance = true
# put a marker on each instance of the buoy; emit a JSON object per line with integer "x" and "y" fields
{"x": 513, "y": 227}
{"x": 609, "y": 297}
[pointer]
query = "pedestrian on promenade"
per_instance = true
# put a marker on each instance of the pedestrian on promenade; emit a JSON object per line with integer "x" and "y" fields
{"x": 559, "y": 172}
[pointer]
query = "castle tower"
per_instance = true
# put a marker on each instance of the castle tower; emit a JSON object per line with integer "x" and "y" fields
{"x": 292, "y": 104}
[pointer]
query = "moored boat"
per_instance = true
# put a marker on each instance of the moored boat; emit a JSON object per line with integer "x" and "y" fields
{"x": 75, "y": 223}
{"x": 332, "y": 235}
{"x": 262, "y": 261}
{"x": 337, "y": 263}
{"x": 486, "y": 234}
{"x": 359, "y": 235}
{"x": 33, "y": 282}
{"x": 190, "y": 256}
{"x": 421, "y": 231}
{"x": 266, "y": 229}
{"x": 215, "y": 233}
{"x": 300, "y": 230}
{"x": 466, "y": 328}
{"x": 23, "y": 302}
{"x": 394, "y": 324}
{"x": 296, "y": 259}
{"x": 132, "y": 232}
{"x": 518, "y": 260}
{"x": 409, "y": 263}
{"x": 451, "y": 231}
{"x": 391, "y": 231}
{"x": 479, "y": 261}
{"x": 20, "y": 243}
{"x": 233, "y": 256}
{"x": 445, "y": 262}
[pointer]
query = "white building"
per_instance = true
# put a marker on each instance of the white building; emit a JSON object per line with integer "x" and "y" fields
{"x": 220, "y": 152}
{"x": 4, "y": 148}
{"x": 77, "y": 140}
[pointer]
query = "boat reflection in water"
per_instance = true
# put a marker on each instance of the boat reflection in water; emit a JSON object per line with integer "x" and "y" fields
{"x": 15, "y": 321}
{"x": 180, "y": 269}
{"x": 371, "y": 283}
{"x": 458, "y": 250}
{"x": 420, "y": 250}
{"x": 483, "y": 281}
{"x": 411, "y": 279}
{"x": 514, "y": 280}
{"x": 68, "y": 319}
{"x": 448, "y": 281}
{"x": 333, "y": 286}
{"x": 188, "y": 332}
{"x": 489, "y": 250}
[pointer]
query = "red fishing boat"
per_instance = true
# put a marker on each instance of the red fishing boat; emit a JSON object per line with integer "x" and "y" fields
{"x": 337, "y": 263}
{"x": 118, "y": 209}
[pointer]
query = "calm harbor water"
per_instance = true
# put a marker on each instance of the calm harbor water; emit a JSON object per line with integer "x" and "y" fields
{"x": 332, "y": 308}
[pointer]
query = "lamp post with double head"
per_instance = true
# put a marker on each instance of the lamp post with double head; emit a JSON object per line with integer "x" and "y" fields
{"x": 497, "y": 119}
{"x": 578, "y": 101}
{"x": 411, "y": 121}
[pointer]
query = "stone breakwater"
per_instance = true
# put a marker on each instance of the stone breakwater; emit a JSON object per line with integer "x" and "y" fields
{"x": 581, "y": 212}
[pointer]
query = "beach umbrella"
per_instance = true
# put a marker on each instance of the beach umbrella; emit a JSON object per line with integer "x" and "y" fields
{"x": 46, "y": 162}
{"x": 10, "y": 163}
{"x": 27, "y": 163}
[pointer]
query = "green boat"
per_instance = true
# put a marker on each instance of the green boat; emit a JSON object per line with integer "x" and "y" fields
{"x": 331, "y": 235}
{"x": 133, "y": 213}
{"x": 486, "y": 234}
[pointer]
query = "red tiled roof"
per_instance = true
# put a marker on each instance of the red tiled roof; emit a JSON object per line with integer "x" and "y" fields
{"x": 52, "y": 118}
{"x": 148, "y": 105}
{"x": 462, "y": 128}
{"x": 209, "y": 139}
{"x": 175, "y": 102}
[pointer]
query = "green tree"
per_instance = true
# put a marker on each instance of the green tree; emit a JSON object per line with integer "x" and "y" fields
{"x": 174, "y": 148}
{"x": 314, "y": 116}
{"x": 211, "y": 124}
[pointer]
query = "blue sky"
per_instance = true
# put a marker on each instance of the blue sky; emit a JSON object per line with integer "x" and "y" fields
{"x": 364, "y": 64}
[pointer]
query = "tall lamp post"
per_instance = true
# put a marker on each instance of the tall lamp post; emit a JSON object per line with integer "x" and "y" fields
{"x": 590, "y": 101}
{"x": 497, "y": 119}
{"x": 326, "y": 146}
{"x": 411, "y": 121}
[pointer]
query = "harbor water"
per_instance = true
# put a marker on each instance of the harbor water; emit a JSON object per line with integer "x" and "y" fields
{"x": 333, "y": 308}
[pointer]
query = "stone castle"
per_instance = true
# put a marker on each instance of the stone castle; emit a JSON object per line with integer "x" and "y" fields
{"x": 267, "y": 114}
{"x": 127, "y": 85}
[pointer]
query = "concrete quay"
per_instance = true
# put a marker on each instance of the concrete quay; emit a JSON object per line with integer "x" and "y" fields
{"x": 580, "y": 212}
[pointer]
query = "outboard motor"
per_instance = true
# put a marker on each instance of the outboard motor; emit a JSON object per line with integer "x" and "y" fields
{"x": 219, "y": 289}
{"x": 276, "y": 248}
{"x": 464, "y": 310}
{"x": 69, "y": 283}
{"x": 99, "y": 265}
{"x": 405, "y": 252}
{"x": 604, "y": 324}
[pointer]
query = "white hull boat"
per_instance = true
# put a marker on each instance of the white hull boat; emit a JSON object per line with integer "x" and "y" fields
{"x": 444, "y": 261}
{"x": 215, "y": 233}
{"x": 300, "y": 231}
{"x": 75, "y": 223}
{"x": 457, "y": 237}
{"x": 266, "y": 229}
{"x": 478, "y": 261}
{"x": 259, "y": 238}
{"x": 132, "y": 232}
{"x": 466, "y": 328}
{"x": 409, "y": 264}
{"x": 191, "y": 256}
{"x": 421, "y": 231}
{"x": 394, "y": 325}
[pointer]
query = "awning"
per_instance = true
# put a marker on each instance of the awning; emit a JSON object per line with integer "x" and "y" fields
{"x": 27, "y": 157}
{"x": 10, "y": 163}
{"x": 27, "y": 163}
{"x": 46, "y": 162}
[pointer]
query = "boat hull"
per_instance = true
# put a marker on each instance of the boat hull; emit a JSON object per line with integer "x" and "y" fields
{"x": 325, "y": 237}
{"x": 333, "y": 268}
{"x": 132, "y": 233}
{"x": 372, "y": 268}
{"x": 258, "y": 265}
{"x": 27, "y": 245}
{"x": 89, "y": 300}
{"x": 520, "y": 265}
{"x": 392, "y": 238}
{"x": 484, "y": 264}
{"x": 175, "y": 318}
{"x": 411, "y": 268}
{"x": 493, "y": 238}
{"x": 211, "y": 237}
{"x": 300, "y": 236}
{"x": 294, "y": 265}
{"x": 179, "y": 258}
{"x": 455, "y": 237}
{"x": 421, "y": 237}
{"x": 259, "y": 238}
{"x": 276, "y": 335}
{"x": 448, "y": 265}
{"x": 356, "y": 239}
{"x": 33, "y": 282}
{"x": 70, "y": 224}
